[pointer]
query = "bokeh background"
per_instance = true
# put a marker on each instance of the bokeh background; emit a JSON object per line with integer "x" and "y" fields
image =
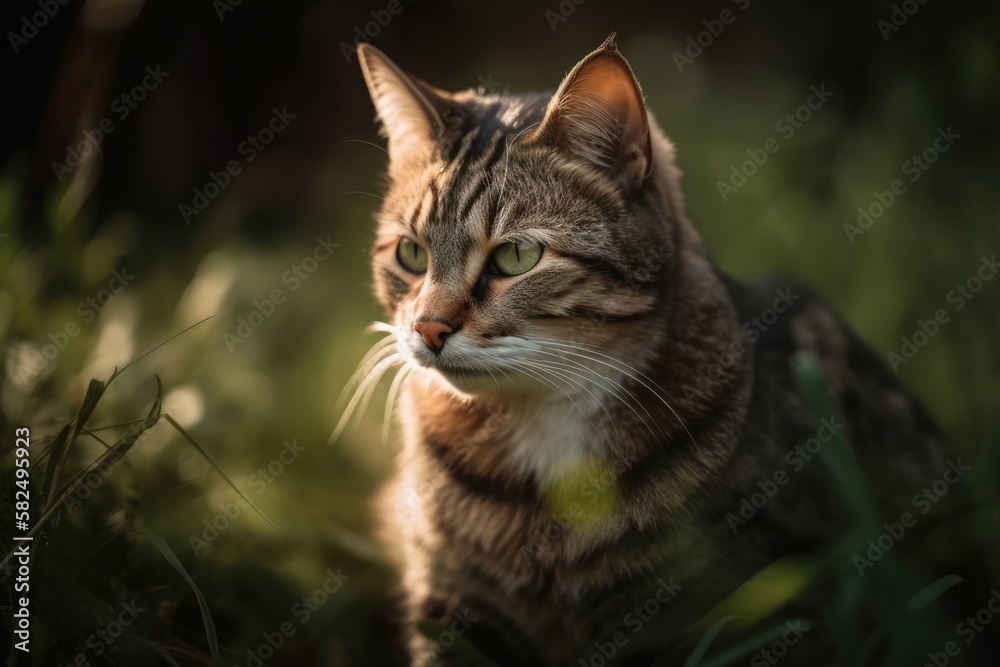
{"x": 143, "y": 529}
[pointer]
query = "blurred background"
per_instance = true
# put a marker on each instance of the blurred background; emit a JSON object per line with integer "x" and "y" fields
{"x": 167, "y": 162}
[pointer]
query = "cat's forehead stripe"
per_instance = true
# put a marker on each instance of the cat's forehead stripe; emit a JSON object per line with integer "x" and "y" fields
{"x": 414, "y": 220}
{"x": 484, "y": 178}
{"x": 432, "y": 186}
{"x": 491, "y": 215}
{"x": 458, "y": 197}
{"x": 458, "y": 161}
{"x": 472, "y": 198}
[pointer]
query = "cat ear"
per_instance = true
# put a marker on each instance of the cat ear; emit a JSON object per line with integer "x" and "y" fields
{"x": 409, "y": 109}
{"x": 598, "y": 115}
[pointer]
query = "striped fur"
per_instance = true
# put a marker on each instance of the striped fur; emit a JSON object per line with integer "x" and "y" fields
{"x": 605, "y": 376}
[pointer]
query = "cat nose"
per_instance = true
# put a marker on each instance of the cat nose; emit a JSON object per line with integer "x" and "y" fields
{"x": 434, "y": 333}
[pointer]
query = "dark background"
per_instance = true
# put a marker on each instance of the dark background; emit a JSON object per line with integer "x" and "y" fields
{"x": 321, "y": 178}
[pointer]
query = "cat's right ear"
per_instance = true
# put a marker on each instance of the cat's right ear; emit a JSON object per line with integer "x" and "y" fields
{"x": 598, "y": 116}
{"x": 409, "y": 109}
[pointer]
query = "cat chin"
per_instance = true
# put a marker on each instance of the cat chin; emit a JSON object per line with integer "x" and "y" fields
{"x": 507, "y": 385}
{"x": 469, "y": 384}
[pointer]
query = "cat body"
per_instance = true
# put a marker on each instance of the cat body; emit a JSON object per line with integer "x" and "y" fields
{"x": 588, "y": 404}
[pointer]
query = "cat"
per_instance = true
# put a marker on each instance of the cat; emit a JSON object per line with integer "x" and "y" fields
{"x": 586, "y": 399}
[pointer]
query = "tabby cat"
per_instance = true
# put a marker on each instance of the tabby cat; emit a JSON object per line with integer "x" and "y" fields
{"x": 587, "y": 402}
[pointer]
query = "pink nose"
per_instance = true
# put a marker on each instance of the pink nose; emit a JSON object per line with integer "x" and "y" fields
{"x": 434, "y": 333}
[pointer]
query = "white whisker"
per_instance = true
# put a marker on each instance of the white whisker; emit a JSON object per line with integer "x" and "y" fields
{"x": 361, "y": 141}
{"x": 361, "y": 385}
{"x": 378, "y": 351}
{"x": 618, "y": 390}
{"x": 371, "y": 382}
{"x": 639, "y": 377}
{"x": 549, "y": 366}
{"x": 390, "y": 400}
{"x": 360, "y": 395}
{"x": 537, "y": 372}
{"x": 506, "y": 165}
{"x": 382, "y": 327}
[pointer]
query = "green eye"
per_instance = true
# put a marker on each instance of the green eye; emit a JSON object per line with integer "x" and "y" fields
{"x": 411, "y": 255}
{"x": 515, "y": 258}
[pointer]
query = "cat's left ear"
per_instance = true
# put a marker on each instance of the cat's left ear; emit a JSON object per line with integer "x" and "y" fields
{"x": 410, "y": 109}
{"x": 598, "y": 115}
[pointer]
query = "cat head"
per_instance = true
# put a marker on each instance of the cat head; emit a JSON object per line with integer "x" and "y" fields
{"x": 516, "y": 229}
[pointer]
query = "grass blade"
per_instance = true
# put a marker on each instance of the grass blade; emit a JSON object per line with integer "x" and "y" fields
{"x": 119, "y": 449}
{"x": 777, "y": 585}
{"x": 461, "y": 652}
{"x": 694, "y": 660}
{"x": 56, "y": 500}
{"x": 837, "y": 455}
{"x": 932, "y": 592}
{"x": 124, "y": 368}
{"x": 206, "y": 614}
{"x": 208, "y": 457}
{"x": 66, "y": 438}
{"x": 750, "y": 645}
